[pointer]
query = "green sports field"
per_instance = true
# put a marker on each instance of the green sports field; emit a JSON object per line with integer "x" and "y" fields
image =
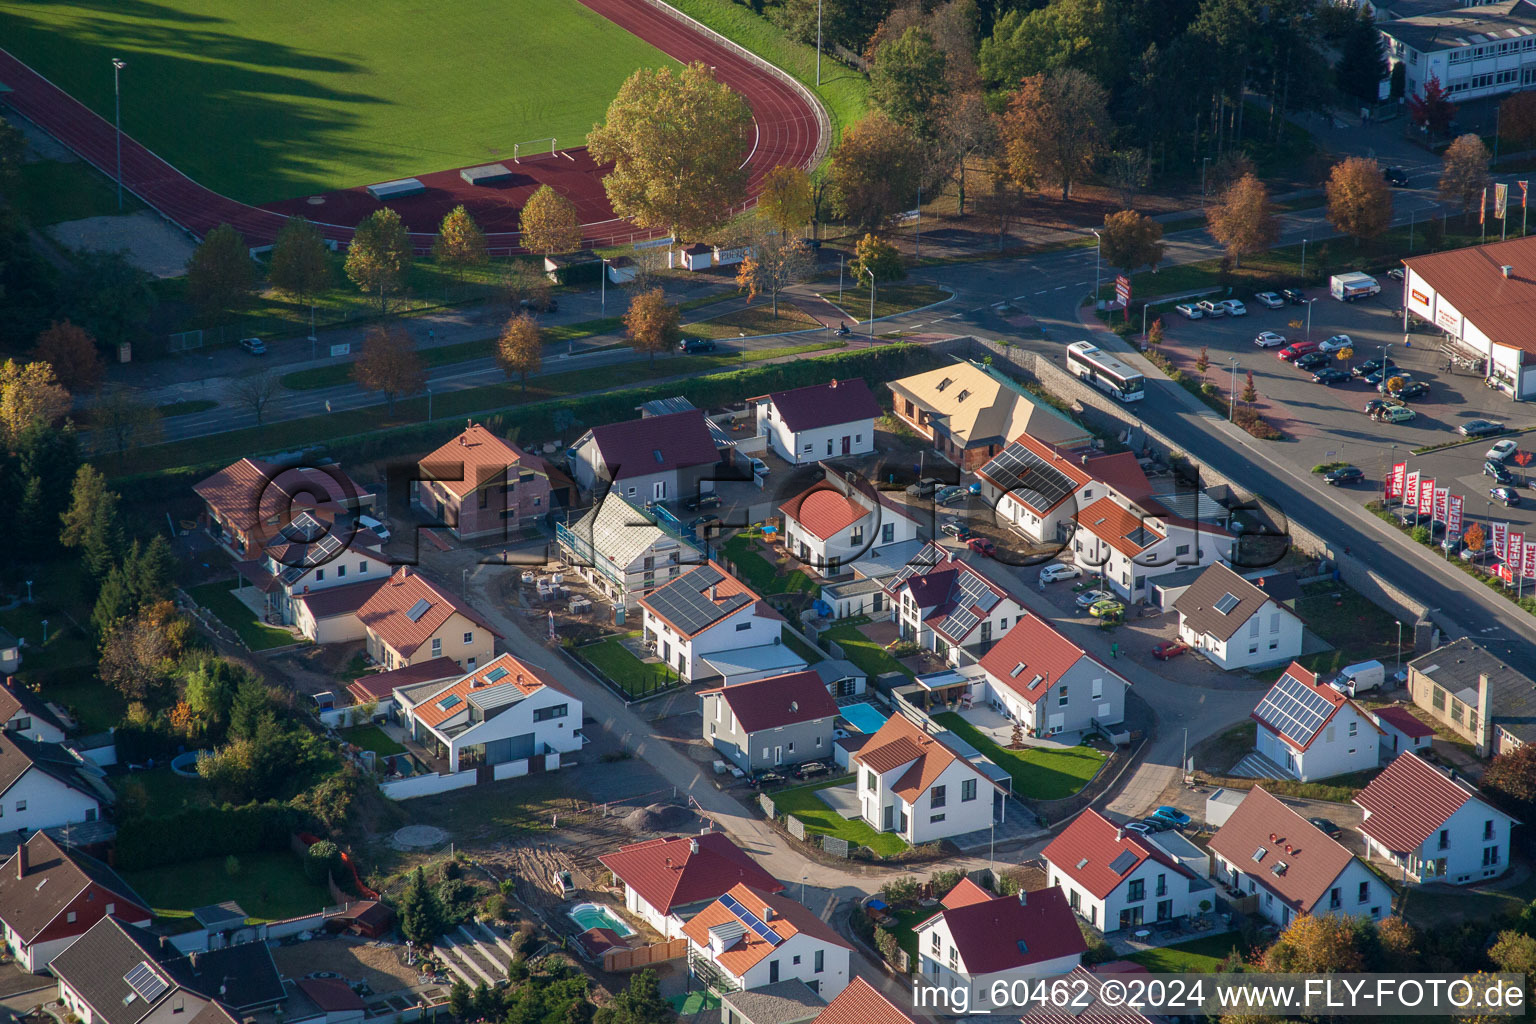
{"x": 271, "y": 99}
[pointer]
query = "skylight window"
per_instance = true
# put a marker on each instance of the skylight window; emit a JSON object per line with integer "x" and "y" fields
{"x": 946, "y": 382}
{"x": 453, "y": 700}
{"x": 1258, "y": 854}
{"x": 495, "y": 674}
{"x": 657, "y": 452}
{"x": 1016, "y": 670}
{"x": 1226, "y": 604}
{"x": 418, "y": 610}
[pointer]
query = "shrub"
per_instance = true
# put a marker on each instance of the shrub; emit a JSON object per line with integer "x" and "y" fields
{"x": 900, "y": 892}
{"x": 320, "y": 860}
{"x": 886, "y": 943}
{"x": 206, "y": 832}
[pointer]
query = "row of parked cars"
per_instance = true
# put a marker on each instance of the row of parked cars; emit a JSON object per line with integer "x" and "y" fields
{"x": 1210, "y": 309}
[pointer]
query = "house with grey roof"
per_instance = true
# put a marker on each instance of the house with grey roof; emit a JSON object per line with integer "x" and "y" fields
{"x": 1473, "y": 51}
{"x": 1469, "y": 690}
{"x": 623, "y": 551}
{"x": 1235, "y": 622}
{"x": 784, "y": 1002}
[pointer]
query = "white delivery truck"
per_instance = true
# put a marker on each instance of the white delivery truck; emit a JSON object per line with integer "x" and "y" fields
{"x": 1352, "y": 286}
{"x": 1360, "y": 678}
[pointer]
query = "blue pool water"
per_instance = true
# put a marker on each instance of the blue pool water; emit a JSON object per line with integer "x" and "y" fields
{"x": 864, "y": 717}
{"x": 595, "y": 915}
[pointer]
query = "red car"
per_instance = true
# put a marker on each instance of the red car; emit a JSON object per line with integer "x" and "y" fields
{"x": 1169, "y": 649}
{"x": 982, "y": 546}
{"x": 1299, "y": 348}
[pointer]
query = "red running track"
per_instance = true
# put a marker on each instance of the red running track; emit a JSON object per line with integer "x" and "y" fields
{"x": 788, "y": 131}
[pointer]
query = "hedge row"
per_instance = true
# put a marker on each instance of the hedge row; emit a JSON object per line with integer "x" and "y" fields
{"x": 201, "y": 832}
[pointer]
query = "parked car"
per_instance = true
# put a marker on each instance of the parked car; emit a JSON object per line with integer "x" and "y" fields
{"x": 760, "y": 468}
{"x": 1297, "y": 348}
{"x": 533, "y": 306}
{"x": 696, "y": 345}
{"x": 1395, "y": 176}
{"x": 1508, "y": 496}
{"x": 370, "y": 523}
{"x": 954, "y": 526}
{"x": 1141, "y": 828}
{"x": 924, "y": 488}
{"x": 1502, "y": 450}
{"x": 1269, "y": 300}
{"x": 1189, "y": 311}
{"x": 255, "y": 346}
{"x": 1312, "y": 361}
{"x": 1156, "y": 824}
{"x": 1269, "y": 339}
{"x": 1088, "y": 598}
{"x": 1369, "y": 367}
{"x": 1107, "y": 608}
{"x": 1498, "y": 471}
{"x": 1235, "y": 307}
{"x": 1335, "y": 343}
{"x": 1413, "y": 389}
{"x": 1211, "y": 309}
{"x": 1293, "y": 296}
{"x": 1393, "y": 377}
{"x": 1343, "y": 475}
{"x": 811, "y": 769}
{"x": 1375, "y": 406}
{"x": 1480, "y": 428}
{"x": 1324, "y": 826}
{"x": 1056, "y": 571}
{"x": 1396, "y": 273}
{"x": 1396, "y": 414}
{"x": 1376, "y": 379}
{"x": 1173, "y": 814}
{"x": 982, "y": 546}
{"x": 1169, "y": 649}
{"x": 948, "y": 495}
{"x": 700, "y": 502}
{"x": 1330, "y": 375}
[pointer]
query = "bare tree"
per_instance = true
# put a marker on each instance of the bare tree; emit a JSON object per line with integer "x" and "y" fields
{"x": 256, "y": 391}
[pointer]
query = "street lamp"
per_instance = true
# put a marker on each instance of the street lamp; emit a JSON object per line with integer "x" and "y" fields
{"x": 429, "y": 405}
{"x": 1399, "y": 645}
{"x": 1098, "y": 241}
{"x": 1232, "y": 392}
{"x": 871, "y": 274}
{"x": 117, "y": 100}
{"x": 1203, "y": 164}
{"x": 818, "y": 44}
{"x": 1303, "y": 259}
{"x": 1309, "y": 317}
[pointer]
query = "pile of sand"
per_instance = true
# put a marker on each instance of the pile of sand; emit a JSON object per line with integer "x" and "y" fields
{"x": 657, "y": 818}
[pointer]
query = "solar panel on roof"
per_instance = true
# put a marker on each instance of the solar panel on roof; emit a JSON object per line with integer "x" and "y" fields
{"x": 687, "y": 606}
{"x": 959, "y": 622}
{"x": 751, "y": 920}
{"x": 143, "y": 979}
{"x": 418, "y": 610}
{"x": 1294, "y": 709}
{"x": 1226, "y": 604}
{"x": 1021, "y": 472}
{"x": 1123, "y": 863}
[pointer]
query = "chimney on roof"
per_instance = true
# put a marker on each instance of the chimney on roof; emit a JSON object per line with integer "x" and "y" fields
{"x": 1085, "y": 460}
{"x": 794, "y": 707}
{"x": 1484, "y": 737}
{"x": 714, "y": 591}
{"x": 1119, "y": 834}
{"x": 21, "y": 860}
{"x": 767, "y": 912}
{"x": 693, "y": 846}
{"x": 1507, "y": 271}
{"x": 1023, "y": 896}
{"x": 193, "y": 958}
{"x": 669, "y": 862}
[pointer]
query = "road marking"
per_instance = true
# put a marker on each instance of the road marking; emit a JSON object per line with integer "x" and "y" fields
{"x": 1058, "y": 288}
{"x": 1040, "y": 292}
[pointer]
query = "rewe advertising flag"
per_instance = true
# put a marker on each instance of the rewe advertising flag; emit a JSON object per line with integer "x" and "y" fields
{"x": 1411, "y": 489}
{"x": 1453, "y": 514}
{"x": 1516, "y": 557}
{"x": 1500, "y": 535}
{"x": 1528, "y": 563}
{"x": 1426, "y": 497}
{"x": 1441, "y": 494}
{"x": 1395, "y": 481}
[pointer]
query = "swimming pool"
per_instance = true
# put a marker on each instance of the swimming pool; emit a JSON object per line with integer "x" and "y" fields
{"x": 864, "y": 717}
{"x": 595, "y": 915}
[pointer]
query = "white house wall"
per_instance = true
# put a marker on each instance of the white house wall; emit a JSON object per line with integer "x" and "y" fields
{"x": 1104, "y": 913}
{"x": 831, "y": 980}
{"x": 38, "y": 800}
{"x": 1334, "y": 751}
{"x": 723, "y": 636}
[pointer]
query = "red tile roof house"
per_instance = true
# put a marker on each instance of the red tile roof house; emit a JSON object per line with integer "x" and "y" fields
{"x": 375, "y": 691}
{"x": 1129, "y": 537}
{"x": 506, "y": 713}
{"x": 911, "y": 783}
{"x": 1313, "y": 731}
{"x": 944, "y": 604}
{"x": 747, "y": 939}
{"x": 769, "y": 722}
{"x": 668, "y": 881}
{"x": 49, "y": 897}
{"x": 862, "y": 1003}
{"x": 655, "y": 458}
{"x": 708, "y": 612}
{"x": 1117, "y": 879}
{"x": 482, "y": 487}
{"x": 822, "y": 421}
{"x": 839, "y": 519}
{"x": 1038, "y": 487}
{"x": 1048, "y": 684}
{"x": 1431, "y": 826}
{"x": 1268, "y": 850}
{"x": 977, "y": 941}
{"x": 1401, "y": 730}
{"x": 249, "y": 501}
{"x": 315, "y": 554}
{"x": 410, "y": 620}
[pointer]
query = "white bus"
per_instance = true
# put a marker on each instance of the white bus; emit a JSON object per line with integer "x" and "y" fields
{"x": 1105, "y": 372}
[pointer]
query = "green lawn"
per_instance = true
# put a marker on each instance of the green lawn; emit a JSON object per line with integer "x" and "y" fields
{"x": 811, "y": 654}
{"x": 371, "y": 737}
{"x": 1196, "y": 956}
{"x": 804, "y": 804}
{"x": 258, "y": 636}
{"x": 890, "y": 299}
{"x": 94, "y": 704}
{"x": 1039, "y": 773}
{"x": 906, "y": 929}
{"x": 268, "y": 886}
{"x": 753, "y": 321}
{"x": 67, "y": 645}
{"x": 293, "y": 97}
{"x": 864, "y": 652}
{"x": 165, "y": 792}
{"x": 185, "y": 408}
{"x": 762, "y": 575}
{"x": 51, "y": 191}
{"x": 635, "y": 677}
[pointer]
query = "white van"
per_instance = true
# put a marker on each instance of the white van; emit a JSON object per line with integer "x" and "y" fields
{"x": 1360, "y": 678}
{"x": 370, "y": 523}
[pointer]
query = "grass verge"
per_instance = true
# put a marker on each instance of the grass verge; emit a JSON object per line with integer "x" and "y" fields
{"x": 635, "y": 677}
{"x": 803, "y": 803}
{"x": 186, "y": 408}
{"x": 890, "y": 299}
{"x": 218, "y": 598}
{"x": 864, "y": 652}
{"x": 268, "y": 886}
{"x": 371, "y": 737}
{"x": 1202, "y": 955}
{"x": 762, "y": 575}
{"x": 753, "y": 321}
{"x": 1039, "y": 773}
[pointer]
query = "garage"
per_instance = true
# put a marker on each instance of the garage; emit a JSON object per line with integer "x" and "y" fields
{"x": 1483, "y": 300}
